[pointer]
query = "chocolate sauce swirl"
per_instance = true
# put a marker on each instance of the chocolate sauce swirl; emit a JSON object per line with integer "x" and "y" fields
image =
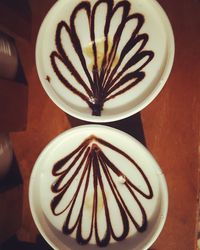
{"x": 88, "y": 160}
{"x": 108, "y": 80}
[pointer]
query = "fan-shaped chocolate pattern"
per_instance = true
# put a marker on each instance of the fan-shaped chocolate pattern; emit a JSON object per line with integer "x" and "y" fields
{"x": 89, "y": 164}
{"x": 114, "y": 74}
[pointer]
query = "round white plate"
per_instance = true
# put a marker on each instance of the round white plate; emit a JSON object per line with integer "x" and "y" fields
{"x": 150, "y": 29}
{"x": 41, "y": 195}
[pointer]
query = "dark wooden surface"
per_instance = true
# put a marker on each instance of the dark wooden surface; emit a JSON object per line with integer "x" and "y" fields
{"x": 20, "y": 14}
{"x": 171, "y": 125}
{"x": 14, "y": 101}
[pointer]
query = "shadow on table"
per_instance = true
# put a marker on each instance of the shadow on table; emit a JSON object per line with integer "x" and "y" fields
{"x": 14, "y": 244}
{"x": 131, "y": 125}
{"x": 13, "y": 178}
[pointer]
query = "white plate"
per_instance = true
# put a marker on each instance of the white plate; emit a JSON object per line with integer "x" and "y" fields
{"x": 41, "y": 195}
{"x": 160, "y": 43}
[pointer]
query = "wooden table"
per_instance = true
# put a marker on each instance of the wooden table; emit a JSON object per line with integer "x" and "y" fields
{"x": 170, "y": 125}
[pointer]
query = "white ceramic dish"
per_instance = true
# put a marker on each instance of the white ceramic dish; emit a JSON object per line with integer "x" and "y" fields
{"x": 159, "y": 46}
{"x": 41, "y": 194}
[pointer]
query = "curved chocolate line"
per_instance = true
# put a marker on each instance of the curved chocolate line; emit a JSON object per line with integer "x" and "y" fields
{"x": 53, "y": 57}
{"x": 94, "y": 163}
{"x": 134, "y": 59}
{"x": 127, "y": 47}
{"x": 68, "y": 63}
{"x": 102, "y": 85}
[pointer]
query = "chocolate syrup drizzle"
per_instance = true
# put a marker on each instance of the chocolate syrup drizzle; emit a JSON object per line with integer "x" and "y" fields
{"x": 107, "y": 81}
{"x": 94, "y": 162}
